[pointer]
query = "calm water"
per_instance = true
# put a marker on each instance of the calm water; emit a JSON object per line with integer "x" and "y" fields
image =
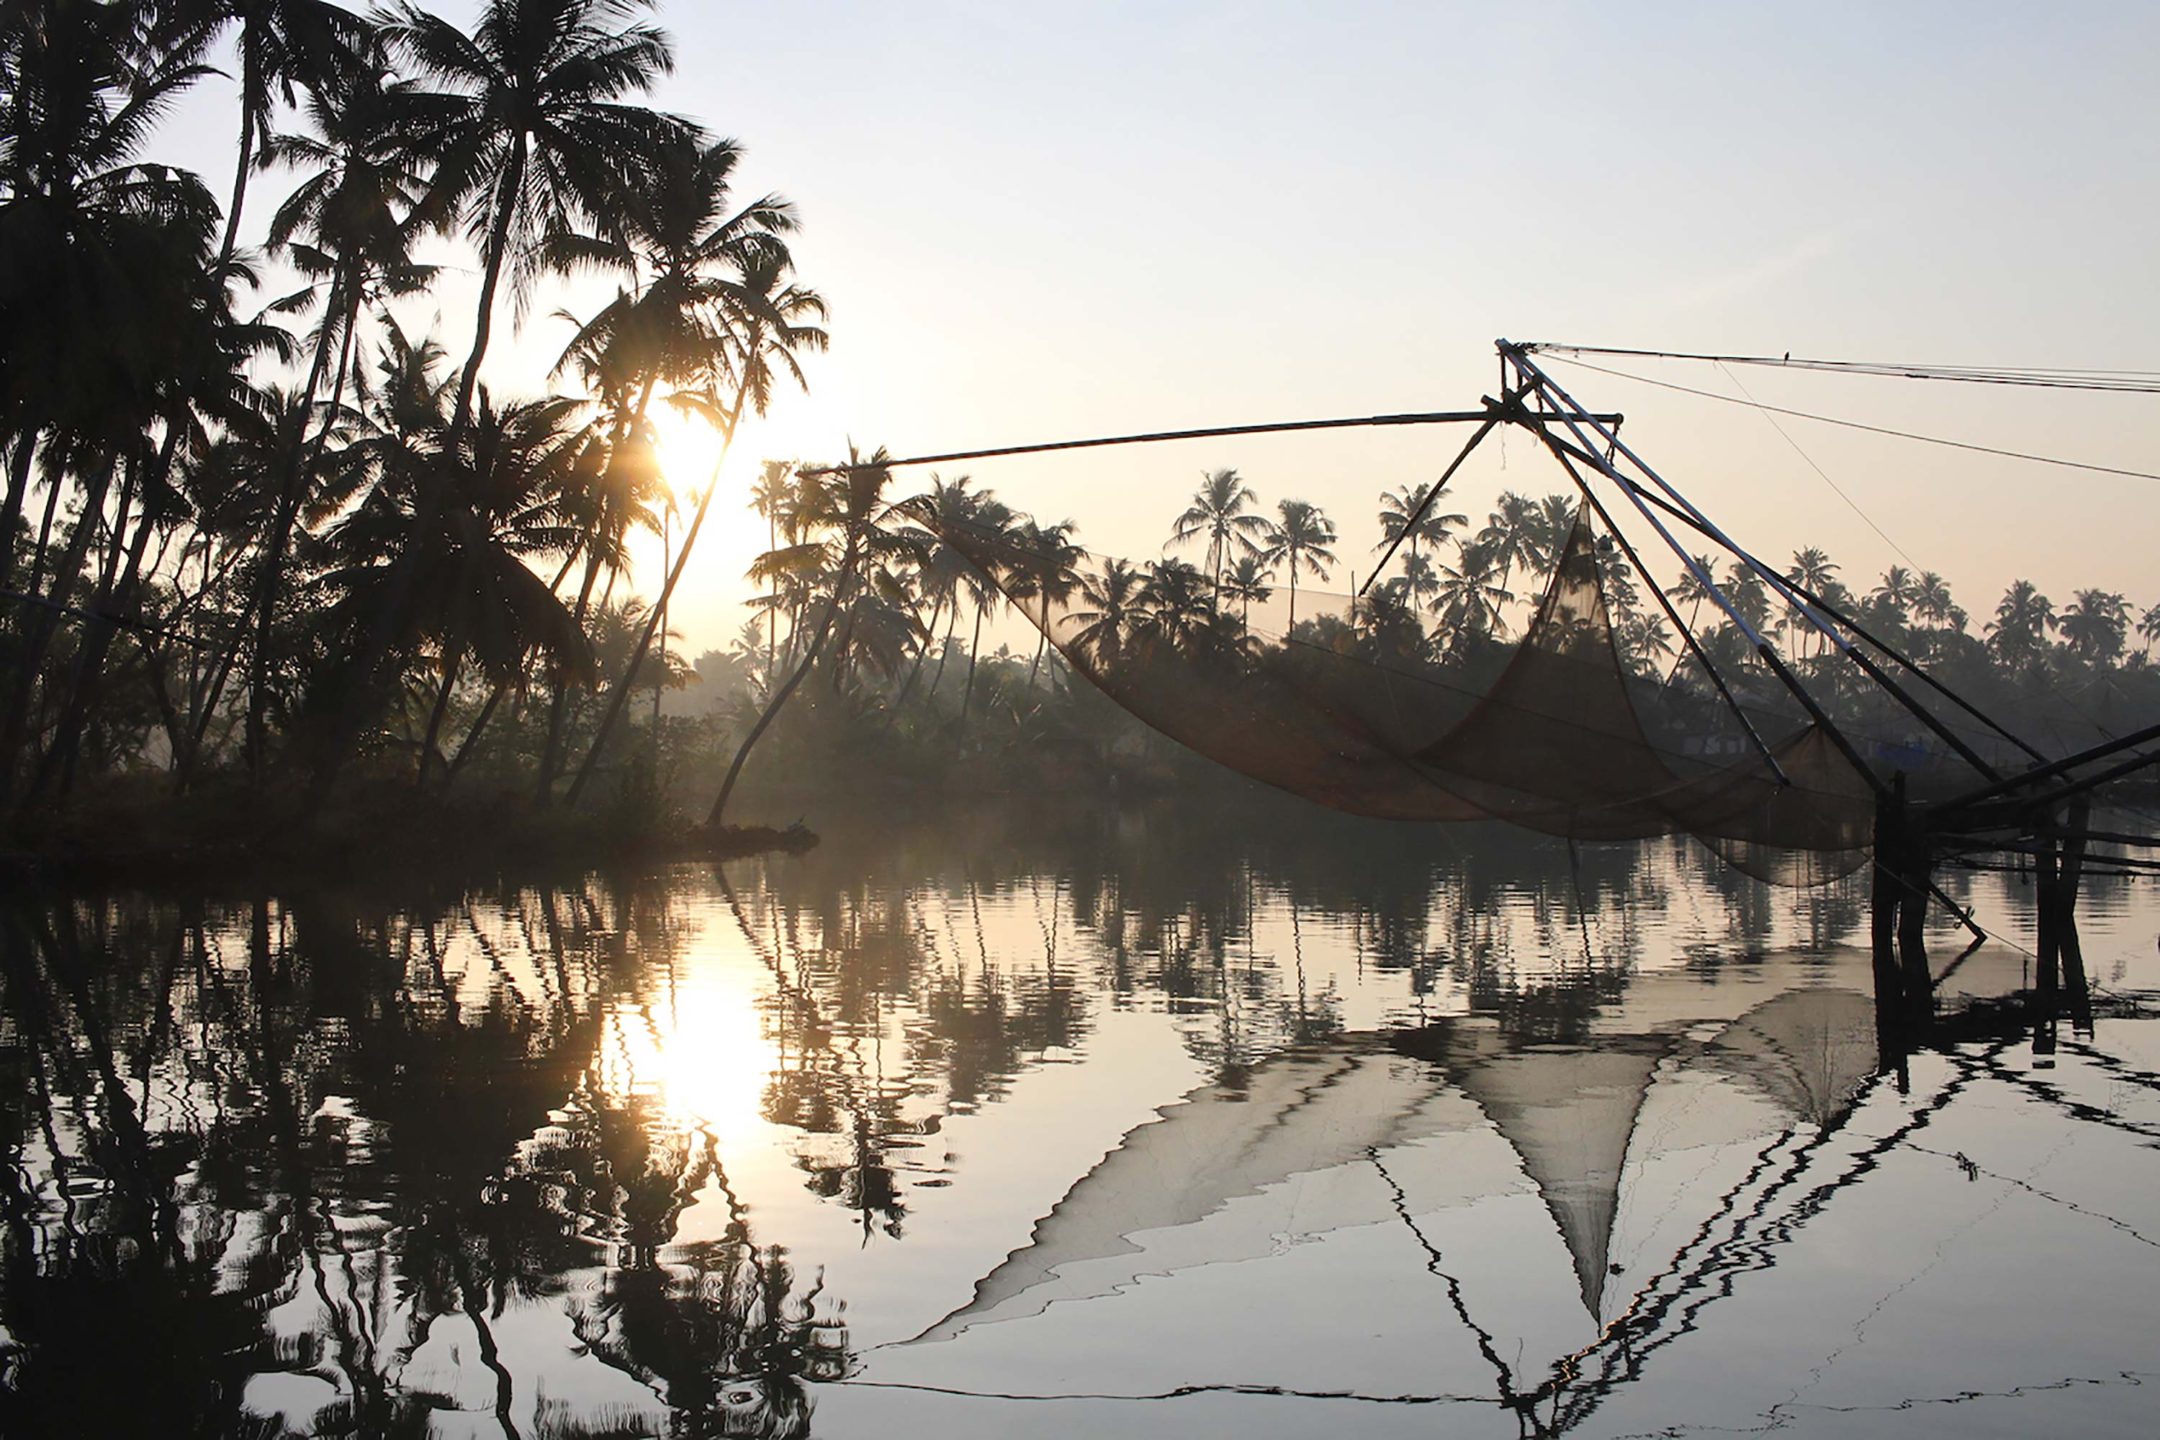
{"x": 1237, "y": 1125}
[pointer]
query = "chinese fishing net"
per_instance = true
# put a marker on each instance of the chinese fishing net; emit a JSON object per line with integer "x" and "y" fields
{"x": 1376, "y": 707}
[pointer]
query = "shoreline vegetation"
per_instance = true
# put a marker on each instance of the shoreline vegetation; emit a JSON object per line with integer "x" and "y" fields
{"x": 285, "y": 581}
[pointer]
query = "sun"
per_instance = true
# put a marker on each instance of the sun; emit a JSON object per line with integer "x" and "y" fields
{"x": 797, "y": 426}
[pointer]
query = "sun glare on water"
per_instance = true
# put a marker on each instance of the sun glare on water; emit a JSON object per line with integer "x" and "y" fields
{"x": 695, "y": 1049}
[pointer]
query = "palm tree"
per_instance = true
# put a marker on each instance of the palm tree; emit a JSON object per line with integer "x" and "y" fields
{"x": 1299, "y": 540}
{"x": 1218, "y": 513}
{"x": 942, "y": 570}
{"x": 1510, "y": 536}
{"x": 356, "y": 208}
{"x": 2149, "y": 627}
{"x": 1549, "y": 523}
{"x": 1045, "y": 572}
{"x": 856, "y": 492}
{"x": 1432, "y": 528}
{"x": 530, "y": 133}
{"x": 1110, "y": 612}
{"x": 767, "y": 321}
{"x": 283, "y": 46}
{"x": 2018, "y": 633}
{"x": 2095, "y": 625}
{"x": 1247, "y": 584}
{"x": 1175, "y": 608}
{"x": 1471, "y": 598}
{"x": 1894, "y": 596}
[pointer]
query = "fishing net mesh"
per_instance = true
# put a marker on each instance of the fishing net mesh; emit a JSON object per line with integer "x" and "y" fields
{"x": 1382, "y": 706}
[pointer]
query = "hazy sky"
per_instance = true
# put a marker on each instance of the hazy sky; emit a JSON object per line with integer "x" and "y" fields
{"x": 1041, "y": 221}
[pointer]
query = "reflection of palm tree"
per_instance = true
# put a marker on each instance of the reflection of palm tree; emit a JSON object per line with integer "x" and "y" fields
{"x": 1299, "y": 539}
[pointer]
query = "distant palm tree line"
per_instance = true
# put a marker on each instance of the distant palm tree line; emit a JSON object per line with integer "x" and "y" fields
{"x": 1456, "y": 590}
{"x": 257, "y": 530}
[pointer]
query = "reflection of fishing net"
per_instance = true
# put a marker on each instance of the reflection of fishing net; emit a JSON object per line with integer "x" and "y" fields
{"x": 1364, "y": 706}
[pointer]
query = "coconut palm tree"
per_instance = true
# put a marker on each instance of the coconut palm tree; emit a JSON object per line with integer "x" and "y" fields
{"x": 2018, "y": 633}
{"x": 1247, "y": 585}
{"x": 855, "y": 497}
{"x": 2095, "y": 625}
{"x": 349, "y": 224}
{"x": 1432, "y": 528}
{"x": 530, "y": 132}
{"x": 767, "y": 322}
{"x": 1176, "y": 608}
{"x": 1510, "y": 536}
{"x": 942, "y": 569}
{"x": 1044, "y": 574}
{"x": 1299, "y": 539}
{"x": 1109, "y": 614}
{"x": 1471, "y": 599}
{"x": 284, "y": 47}
{"x": 1218, "y": 514}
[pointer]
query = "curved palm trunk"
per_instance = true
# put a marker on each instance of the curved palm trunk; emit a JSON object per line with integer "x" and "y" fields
{"x": 937, "y": 676}
{"x": 288, "y": 510}
{"x": 471, "y": 742}
{"x": 802, "y": 669}
{"x": 621, "y": 690}
{"x": 368, "y": 696}
{"x": 250, "y": 90}
{"x": 11, "y": 511}
{"x": 921, "y": 656}
{"x": 967, "y": 697}
{"x": 559, "y": 702}
{"x": 451, "y": 662}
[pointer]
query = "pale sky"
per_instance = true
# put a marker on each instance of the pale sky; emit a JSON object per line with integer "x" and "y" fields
{"x": 1040, "y": 221}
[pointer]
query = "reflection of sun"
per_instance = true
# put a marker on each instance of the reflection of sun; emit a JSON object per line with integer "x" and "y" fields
{"x": 695, "y": 1048}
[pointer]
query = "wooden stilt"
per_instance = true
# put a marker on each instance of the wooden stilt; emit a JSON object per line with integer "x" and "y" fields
{"x": 1890, "y": 1006}
{"x": 2077, "y": 994}
{"x": 2047, "y": 900}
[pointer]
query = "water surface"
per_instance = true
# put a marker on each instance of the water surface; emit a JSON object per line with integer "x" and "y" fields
{"x": 1098, "y": 1124}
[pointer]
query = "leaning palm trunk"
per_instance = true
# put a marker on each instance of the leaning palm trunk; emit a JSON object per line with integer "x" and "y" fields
{"x": 18, "y": 491}
{"x": 621, "y": 691}
{"x": 451, "y": 663}
{"x": 559, "y": 702}
{"x": 967, "y": 696}
{"x": 922, "y": 654}
{"x": 115, "y": 598}
{"x": 46, "y": 624}
{"x": 471, "y": 742}
{"x": 288, "y": 509}
{"x": 841, "y": 595}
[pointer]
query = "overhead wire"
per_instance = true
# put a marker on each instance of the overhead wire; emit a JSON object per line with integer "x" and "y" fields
{"x": 1860, "y": 425}
{"x": 2134, "y": 382}
{"x": 1851, "y": 503}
